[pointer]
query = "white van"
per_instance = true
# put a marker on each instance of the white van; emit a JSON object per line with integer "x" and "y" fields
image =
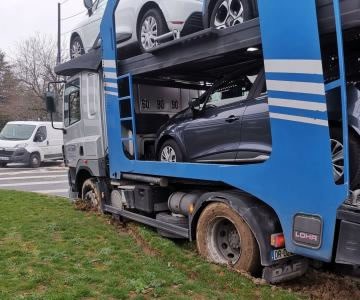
{"x": 30, "y": 143}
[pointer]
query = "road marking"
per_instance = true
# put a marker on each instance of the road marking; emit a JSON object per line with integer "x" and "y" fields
{"x": 32, "y": 172}
{"x": 32, "y": 183}
{"x": 52, "y": 191}
{"x": 31, "y": 177}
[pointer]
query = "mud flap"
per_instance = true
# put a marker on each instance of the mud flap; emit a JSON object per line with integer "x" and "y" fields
{"x": 286, "y": 271}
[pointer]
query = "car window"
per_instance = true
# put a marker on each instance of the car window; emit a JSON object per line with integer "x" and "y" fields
{"x": 41, "y": 134}
{"x": 72, "y": 103}
{"x": 232, "y": 90}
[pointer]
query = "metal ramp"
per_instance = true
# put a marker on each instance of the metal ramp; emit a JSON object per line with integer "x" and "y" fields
{"x": 297, "y": 179}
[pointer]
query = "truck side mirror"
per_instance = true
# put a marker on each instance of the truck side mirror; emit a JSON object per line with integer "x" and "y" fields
{"x": 89, "y": 5}
{"x": 50, "y": 102}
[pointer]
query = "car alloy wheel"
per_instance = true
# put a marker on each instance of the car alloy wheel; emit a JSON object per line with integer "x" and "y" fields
{"x": 337, "y": 155}
{"x": 168, "y": 154}
{"x": 229, "y": 13}
{"x": 149, "y": 31}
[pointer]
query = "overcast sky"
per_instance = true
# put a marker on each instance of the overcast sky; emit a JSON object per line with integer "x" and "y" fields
{"x": 20, "y": 19}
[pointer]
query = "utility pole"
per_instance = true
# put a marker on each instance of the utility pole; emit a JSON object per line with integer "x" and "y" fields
{"x": 59, "y": 34}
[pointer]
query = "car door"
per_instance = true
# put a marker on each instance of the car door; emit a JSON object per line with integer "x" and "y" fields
{"x": 214, "y": 133}
{"x": 255, "y": 144}
{"x": 41, "y": 140}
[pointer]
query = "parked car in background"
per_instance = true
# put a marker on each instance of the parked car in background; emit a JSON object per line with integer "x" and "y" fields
{"x": 30, "y": 143}
{"x": 137, "y": 22}
{"x": 230, "y": 123}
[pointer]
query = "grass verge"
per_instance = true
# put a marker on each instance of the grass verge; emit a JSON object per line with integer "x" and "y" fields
{"x": 49, "y": 250}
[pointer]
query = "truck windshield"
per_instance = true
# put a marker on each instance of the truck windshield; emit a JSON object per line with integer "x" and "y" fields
{"x": 17, "y": 132}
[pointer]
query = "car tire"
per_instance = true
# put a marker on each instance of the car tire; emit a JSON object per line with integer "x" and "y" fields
{"x": 76, "y": 47}
{"x": 170, "y": 152}
{"x": 3, "y": 165}
{"x": 354, "y": 156}
{"x": 34, "y": 160}
{"x": 223, "y": 237}
{"x": 91, "y": 194}
{"x": 157, "y": 23}
{"x": 220, "y": 18}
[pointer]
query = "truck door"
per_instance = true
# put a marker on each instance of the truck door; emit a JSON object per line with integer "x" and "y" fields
{"x": 73, "y": 139}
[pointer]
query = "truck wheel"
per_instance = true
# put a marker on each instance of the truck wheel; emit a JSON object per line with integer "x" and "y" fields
{"x": 3, "y": 165}
{"x": 223, "y": 237}
{"x": 170, "y": 152}
{"x": 337, "y": 153}
{"x": 91, "y": 194}
{"x": 34, "y": 161}
{"x": 228, "y": 13}
{"x": 151, "y": 26}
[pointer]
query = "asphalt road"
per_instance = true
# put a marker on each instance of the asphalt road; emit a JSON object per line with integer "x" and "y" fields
{"x": 49, "y": 179}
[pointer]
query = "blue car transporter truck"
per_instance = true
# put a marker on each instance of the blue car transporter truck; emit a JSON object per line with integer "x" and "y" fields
{"x": 271, "y": 216}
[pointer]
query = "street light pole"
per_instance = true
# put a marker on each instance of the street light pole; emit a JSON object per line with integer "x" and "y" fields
{"x": 59, "y": 34}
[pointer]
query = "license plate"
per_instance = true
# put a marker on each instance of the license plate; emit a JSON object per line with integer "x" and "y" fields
{"x": 4, "y": 158}
{"x": 280, "y": 254}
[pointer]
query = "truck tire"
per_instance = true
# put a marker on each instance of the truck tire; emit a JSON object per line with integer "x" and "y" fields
{"x": 152, "y": 24}
{"x": 91, "y": 194}
{"x": 3, "y": 165}
{"x": 223, "y": 237}
{"x": 34, "y": 160}
{"x": 221, "y": 18}
{"x": 170, "y": 152}
{"x": 354, "y": 156}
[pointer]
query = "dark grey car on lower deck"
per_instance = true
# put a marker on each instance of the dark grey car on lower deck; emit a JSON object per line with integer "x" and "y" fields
{"x": 230, "y": 124}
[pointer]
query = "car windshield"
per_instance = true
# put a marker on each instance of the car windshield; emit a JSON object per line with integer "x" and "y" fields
{"x": 17, "y": 132}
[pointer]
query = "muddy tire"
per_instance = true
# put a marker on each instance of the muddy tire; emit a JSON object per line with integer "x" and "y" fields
{"x": 91, "y": 195}
{"x": 223, "y": 237}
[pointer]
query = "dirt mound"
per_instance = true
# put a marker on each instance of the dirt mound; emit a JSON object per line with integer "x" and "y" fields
{"x": 325, "y": 285}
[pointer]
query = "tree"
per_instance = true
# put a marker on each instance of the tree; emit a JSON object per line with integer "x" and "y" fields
{"x": 35, "y": 59}
{"x": 7, "y": 79}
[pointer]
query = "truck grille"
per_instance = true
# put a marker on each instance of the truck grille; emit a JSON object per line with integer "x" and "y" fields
{"x": 6, "y": 153}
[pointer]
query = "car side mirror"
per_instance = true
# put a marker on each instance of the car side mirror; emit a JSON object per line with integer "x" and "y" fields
{"x": 194, "y": 103}
{"x": 89, "y": 5}
{"x": 50, "y": 102}
{"x": 38, "y": 138}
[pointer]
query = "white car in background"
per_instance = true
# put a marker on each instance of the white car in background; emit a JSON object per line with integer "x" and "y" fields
{"x": 137, "y": 22}
{"x": 30, "y": 143}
